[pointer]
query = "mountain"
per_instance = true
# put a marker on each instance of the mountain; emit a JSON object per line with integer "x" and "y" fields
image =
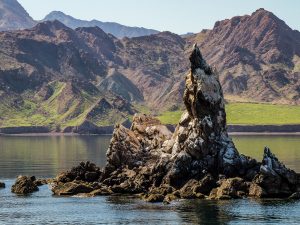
{"x": 52, "y": 75}
{"x": 48, "y": 77}
{"x": 257, "y": 56}
{"x": 13, "y": 16}
{"x": 115, "y": 29}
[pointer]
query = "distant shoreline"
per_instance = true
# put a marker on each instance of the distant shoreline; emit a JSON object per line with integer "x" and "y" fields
{"x": 78, "y": 135}
{"x": 108, "y": 130}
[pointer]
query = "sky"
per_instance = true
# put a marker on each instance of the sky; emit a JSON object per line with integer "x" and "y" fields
{"x": 178, "y": 16}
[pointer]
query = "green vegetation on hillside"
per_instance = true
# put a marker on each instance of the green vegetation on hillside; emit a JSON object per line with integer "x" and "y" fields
{"x": 58, "y": 105}
{"x": 249, "y": 114}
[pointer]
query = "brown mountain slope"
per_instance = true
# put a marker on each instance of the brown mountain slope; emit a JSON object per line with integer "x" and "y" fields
{"x": 48, "y": 77}
{"x": 154, "y": 64}
{"x": 13, "y": 16}
{"x": 53, "y": 74}
{"x": 257, "y": 57}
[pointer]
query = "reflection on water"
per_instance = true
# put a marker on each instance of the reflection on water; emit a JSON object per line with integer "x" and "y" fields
{"x": 42, "y": 208}
{"x": 46, "y": 156}
{"x": 286, "y": 148}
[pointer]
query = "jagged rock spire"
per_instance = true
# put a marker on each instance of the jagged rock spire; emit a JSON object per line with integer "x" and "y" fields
{"x": 148, "y": 159}
{"x": 197, "y": 61}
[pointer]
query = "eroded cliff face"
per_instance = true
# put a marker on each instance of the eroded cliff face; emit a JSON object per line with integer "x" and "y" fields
{"x": 198, "y": 160}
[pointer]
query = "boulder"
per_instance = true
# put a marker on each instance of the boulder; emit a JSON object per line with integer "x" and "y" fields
{"x": 171, "y": 197}
{"x": 230, "y": 188}
{"x": 24, "y": 185}
{"x": 2, "y": 184}
{"x": 206, "y": 185}
{"x": 154, "y": 198}
{"x": 71, "y": 188}
{"x": 187, "y": 191}
{"x": 85, "y": 171}
{"x": 103, "y": 191}
{"x": 256, "y": 191}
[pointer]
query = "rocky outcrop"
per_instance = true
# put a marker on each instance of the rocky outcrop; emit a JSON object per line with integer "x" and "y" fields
{"x": 199, "y": 160}
{"x": 24, "y": 185}
{"x": 274, "y": 178}
{"x": 79, "y": 179}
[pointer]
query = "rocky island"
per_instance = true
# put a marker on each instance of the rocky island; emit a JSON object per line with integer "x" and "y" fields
{"x": 198, "y": 160}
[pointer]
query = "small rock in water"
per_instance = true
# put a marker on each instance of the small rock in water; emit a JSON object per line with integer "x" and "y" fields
{"x": 24, "y": 185}
{"x": 2, "y": 184}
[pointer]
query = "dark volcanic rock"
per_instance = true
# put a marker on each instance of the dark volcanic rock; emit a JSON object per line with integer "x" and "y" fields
{"x": 80, "y": 179}
{"x": 24, "y": 185}
{"x": 71, "y": 188}
{"x": 199, "y": 159}
{"x": 2, "y": 184}
{"x": 274, "y": 178}
{"x": 86, "y": 171}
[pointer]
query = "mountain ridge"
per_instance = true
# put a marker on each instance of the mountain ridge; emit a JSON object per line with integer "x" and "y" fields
{"x": 53, "y": 75}
{"x": 115, "y": 29}
{"x": 257, "y": 55}
{"x": 14, "y": 17}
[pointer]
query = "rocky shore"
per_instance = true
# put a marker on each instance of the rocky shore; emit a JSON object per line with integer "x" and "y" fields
{"x": 198, "y": 160}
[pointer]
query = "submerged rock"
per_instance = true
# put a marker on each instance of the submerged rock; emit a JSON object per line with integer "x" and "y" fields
{"x": 198, "y": 160}
{"x": 24, "y": 185}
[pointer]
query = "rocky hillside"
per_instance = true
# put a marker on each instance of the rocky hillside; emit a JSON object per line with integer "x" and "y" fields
{"x": 54, "y": 75}
{"x": 48, "y": 77}
{"x": 13, "y": 16}
{"x": 115, "y": 29}
{"x": 257, "y": 56}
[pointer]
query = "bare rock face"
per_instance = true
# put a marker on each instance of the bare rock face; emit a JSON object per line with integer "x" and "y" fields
{"x": 198, "y": 160}
{"x": 200, "y": 143}
{"x": 274, "y": 178}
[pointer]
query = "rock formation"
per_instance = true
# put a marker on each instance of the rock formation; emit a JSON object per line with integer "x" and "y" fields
{"x": 198, "y": 160}
{"x": 24, "y": 185}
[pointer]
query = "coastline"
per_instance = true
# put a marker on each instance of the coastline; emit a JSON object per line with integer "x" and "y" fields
{"x": 237, "y": 130}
